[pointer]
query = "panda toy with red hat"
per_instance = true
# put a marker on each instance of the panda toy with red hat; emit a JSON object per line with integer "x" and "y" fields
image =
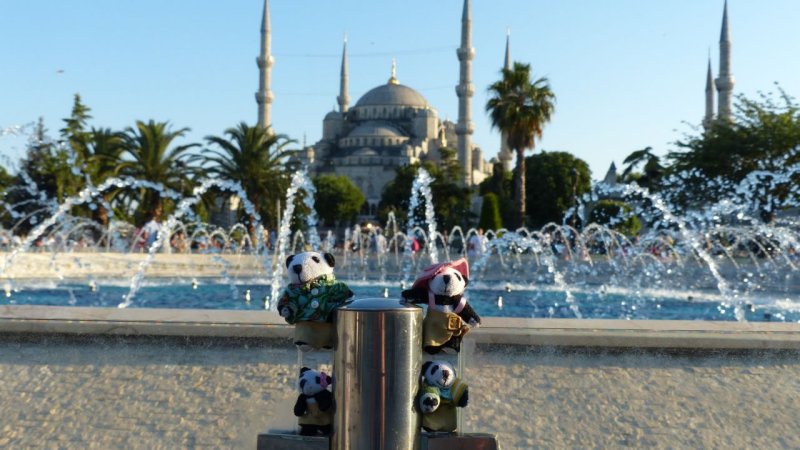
{"x": 449, "y": 317}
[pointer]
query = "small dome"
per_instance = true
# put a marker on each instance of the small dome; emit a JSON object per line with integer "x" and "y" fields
{"x": 333, "y": 115}
{"x": 375, "y": 130}
{"x": 392, "y": 94}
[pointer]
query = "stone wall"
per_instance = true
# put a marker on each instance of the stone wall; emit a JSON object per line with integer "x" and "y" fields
{"x": 107, "y": 391}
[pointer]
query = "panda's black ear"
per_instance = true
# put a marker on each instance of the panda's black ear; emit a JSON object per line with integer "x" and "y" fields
{"x": 304, "y": 370}
{"x": 425, "y": 366}
{"x": 289, "y": 260}
{"x": 466, "y": 281}
{"x": 330, "y": 259}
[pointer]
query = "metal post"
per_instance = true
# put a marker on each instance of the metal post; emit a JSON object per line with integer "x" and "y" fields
{"x": 377, "y": 360}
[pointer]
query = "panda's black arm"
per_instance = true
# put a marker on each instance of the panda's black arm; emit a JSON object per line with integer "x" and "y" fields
{"x": 468, "y": 314}
{"x": 300, "y": 407}
{"x": 416, "y": 295}
{"x": 324, "y": 400}
{"x": 462, "y": 402}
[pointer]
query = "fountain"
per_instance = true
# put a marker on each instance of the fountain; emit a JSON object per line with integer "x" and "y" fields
{"x": 718, "y": 262}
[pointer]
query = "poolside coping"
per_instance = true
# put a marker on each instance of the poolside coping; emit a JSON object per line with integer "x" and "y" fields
{"x": 587, "y": 333}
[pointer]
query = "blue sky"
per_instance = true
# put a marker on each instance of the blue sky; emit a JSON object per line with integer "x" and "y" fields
{"x": 627, "y": 73}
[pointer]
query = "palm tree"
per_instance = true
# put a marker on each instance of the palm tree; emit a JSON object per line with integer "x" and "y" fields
{"x": 102, "y": 160}
{"x": 256, "y": 158}
{"x": 653, "y": 170}
{"x": 520, "y": 109}
{"x": 155, "y": 159}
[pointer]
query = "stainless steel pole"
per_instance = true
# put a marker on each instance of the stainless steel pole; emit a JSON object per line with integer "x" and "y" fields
{"x": 376, "y": 365}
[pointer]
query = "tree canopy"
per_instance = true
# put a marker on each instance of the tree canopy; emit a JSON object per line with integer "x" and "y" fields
{"x": 557, "y": 179}
{"x": 338, "y": 200}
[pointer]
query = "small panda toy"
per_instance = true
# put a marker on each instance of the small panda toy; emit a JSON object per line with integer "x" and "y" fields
{"x": 449, "y": 316}
{"x": 440, "y": 393}
{"x": 310, "y": 299}
{"x": 314, "y": 407}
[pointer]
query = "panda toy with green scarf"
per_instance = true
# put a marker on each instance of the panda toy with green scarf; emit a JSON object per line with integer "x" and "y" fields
{"x": 310, "y": 299}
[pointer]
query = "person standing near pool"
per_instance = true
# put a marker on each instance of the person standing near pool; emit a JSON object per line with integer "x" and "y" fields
{"x": 151, "y": 229}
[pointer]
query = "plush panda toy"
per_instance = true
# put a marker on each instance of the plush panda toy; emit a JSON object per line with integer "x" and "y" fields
{"x": 310, "y": 299}
{"x": 449, "y": 316}
{"x": 314, "y": 407}
{"x": 440, "y": 393}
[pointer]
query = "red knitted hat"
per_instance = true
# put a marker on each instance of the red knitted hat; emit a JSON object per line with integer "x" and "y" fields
{"x": 460, "y": 265}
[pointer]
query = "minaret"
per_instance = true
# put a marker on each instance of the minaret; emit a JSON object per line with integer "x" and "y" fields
{"x": 344, "y": 97}
{"x": 709, "y": 117}
{"x": 393, "y": 79}
{"x": 725, "y": 81}
{"x": 265, "y": 60}
{"x": 505, "y": 155}
{"x": 465, "y": 90}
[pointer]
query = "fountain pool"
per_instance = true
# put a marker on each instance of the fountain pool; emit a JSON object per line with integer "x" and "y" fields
{"x": 490, "y": 300}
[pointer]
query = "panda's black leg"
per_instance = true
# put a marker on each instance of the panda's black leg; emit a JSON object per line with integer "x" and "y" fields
{"x": 303, "y": 346}
{"x": 452, "y": 346}
{"x": 432, "y": 349}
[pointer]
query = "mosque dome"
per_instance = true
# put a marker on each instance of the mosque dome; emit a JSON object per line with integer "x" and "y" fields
{"x": 392, "y": 94}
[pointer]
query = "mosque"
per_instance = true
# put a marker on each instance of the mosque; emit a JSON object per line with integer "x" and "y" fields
{"x": 390, "y": 126}
{"x": 393, "y": 125}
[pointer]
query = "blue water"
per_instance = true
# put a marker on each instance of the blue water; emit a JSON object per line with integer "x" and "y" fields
{"x": 516, "y": 302}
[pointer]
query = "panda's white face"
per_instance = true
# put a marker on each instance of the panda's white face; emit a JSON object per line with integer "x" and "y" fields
{"x": 307, "y": 266}
{"x": 440, "y": 374}
{"x": 448, "y": 282}
{"x": 312, "y": 382}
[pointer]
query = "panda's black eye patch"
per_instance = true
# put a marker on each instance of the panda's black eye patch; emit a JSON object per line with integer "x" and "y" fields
{"x": 315, "y": 259}
{"x": 318, "y": 381}
{"x": 434, "y": 369}
{"x": 458, "y": 276}
{"x": 302, "y": 384}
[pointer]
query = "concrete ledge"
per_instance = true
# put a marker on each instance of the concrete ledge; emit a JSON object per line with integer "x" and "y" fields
{"x": 495, "y": 330}
{"x": 286, "y": 440}
{"x": 279, "y": 440}
{"x": 154, "y": 322}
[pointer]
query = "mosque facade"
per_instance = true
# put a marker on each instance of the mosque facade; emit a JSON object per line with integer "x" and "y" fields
{"x": 390, "y": 126}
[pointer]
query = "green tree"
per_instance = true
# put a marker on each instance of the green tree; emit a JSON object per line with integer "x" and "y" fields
{"x": 75, "y": 127}
{"x": 490, "y": 213}
{"x": 764, "y": 134}
{"x": 338, "y": 200}
{"x": 6, "y": 180}
{"x": 256, "y": 158}
{"x": 154, "y": 158}
{"x": 520, "y": 108}
{"x": 557, "y": 180}
{"x": 616, "y": 215}
{"x": 451, "y": 202}
{"x": 501, "y": 184}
